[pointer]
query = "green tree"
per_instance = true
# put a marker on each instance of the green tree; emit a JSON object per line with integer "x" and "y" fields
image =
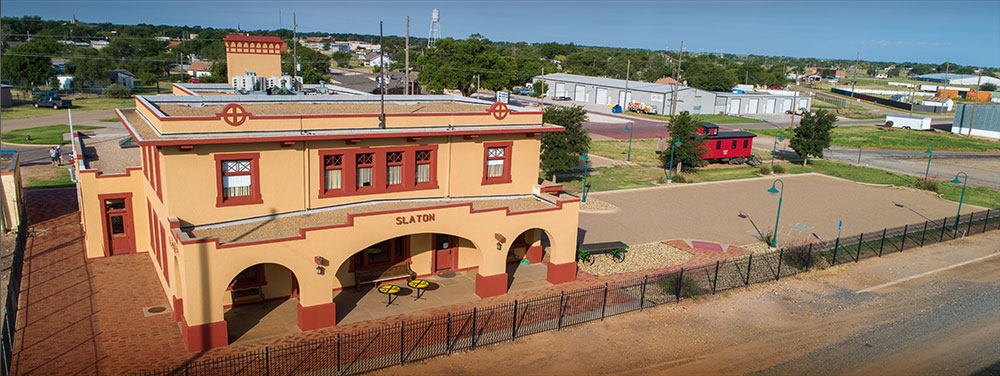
{"x": 813, "y": 134}
{"x": 989, "y": 86}
{"x": 453, "y": 65}
{"x": 88, "y": 68}
{"x": 561, "y": 151}
{"x": 684, "y": 128}
{"x": 711, "y": 78}
{"x": 343, "y": 59}
{"x": 28, "y": 64}
{"x": 314, "y": 65}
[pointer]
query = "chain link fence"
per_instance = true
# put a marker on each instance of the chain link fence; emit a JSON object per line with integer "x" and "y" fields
{"x": 409, "y": 341}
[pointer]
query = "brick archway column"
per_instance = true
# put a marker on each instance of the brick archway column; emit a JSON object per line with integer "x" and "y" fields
{"x": 203, "y": 326}
{"x": 316, "y": 308}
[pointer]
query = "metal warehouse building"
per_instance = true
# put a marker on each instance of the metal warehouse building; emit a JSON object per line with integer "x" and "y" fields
{"x": 985, "y": 124}
{"x": 957, "y": 79}
{"x": 605, "y": 91}
{"x": 609, "y": 91}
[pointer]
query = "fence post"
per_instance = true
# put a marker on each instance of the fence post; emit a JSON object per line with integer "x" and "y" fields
{"x": 642, "y": 296}
{"x": 902, "y": 246}
{"x": 680, "y": 284}
{"x": 267, "y": 361}
{"x": 781, "y": 256}
{"x": 836, "y": 247}
{"x": 746, "y": 281}
{"x": 513, "y": 326}
{"x": 986, "y": 219}
{"x": 923, "y": 235}
{"x": 562, "y": 298}
{"x": 944, "y": 223}
{"x": 882, "y": 244}
{"x": 604, "y": 303}
{"x": 968, "y": 229}
{"x": 474, "y": 314}
{"x": 402, "y": 329}
{"x": 715, "y": 281}
{"x": 809, "y": 256}
{"x": 861, "y": 239}
{"x": 338, "y": 353}
{"x": 447, "y": 336}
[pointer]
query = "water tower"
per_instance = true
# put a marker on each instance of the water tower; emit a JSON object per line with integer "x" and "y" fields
{"x": 435, "y": 33}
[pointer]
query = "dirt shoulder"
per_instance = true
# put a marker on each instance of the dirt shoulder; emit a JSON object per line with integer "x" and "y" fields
{"x": 814, "y": 322}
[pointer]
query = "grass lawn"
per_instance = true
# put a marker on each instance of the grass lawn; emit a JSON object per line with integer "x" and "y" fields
{"x": 47, "y": 135}
{"x": 110, "y": 120}
{"x": 717, "y": 119}
{"x": 819, "y": 103}
{"x": 613, "y": 178}
{"x": 890, "y": 107}
{"x": 61, "y": 180}
{"x": 872, "y": 137}
{"x": 26, "y": 110}
{"x": 864, "y": 116}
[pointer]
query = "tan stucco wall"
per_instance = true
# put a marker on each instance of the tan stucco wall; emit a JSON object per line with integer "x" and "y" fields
{"x": 210, "y": 269}
{"x": 12, "y": 199}
{"x": 263, "y": 65}
{"x": 90, "y": 186}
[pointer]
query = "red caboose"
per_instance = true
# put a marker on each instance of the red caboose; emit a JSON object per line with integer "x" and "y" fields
{"x": 730, "y": 146}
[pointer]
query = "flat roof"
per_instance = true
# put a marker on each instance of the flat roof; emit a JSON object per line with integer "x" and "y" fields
{"x": 207, "y": 88}
{"x": 289, "y": 225}
{"x": 612, "y": 82}
{"x": 106, "y": 156}
{"x": 323, "y": 104}
{"x": 949, "y": 76}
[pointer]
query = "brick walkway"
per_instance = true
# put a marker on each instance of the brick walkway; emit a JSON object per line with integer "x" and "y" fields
{"x": 81, "y": 316}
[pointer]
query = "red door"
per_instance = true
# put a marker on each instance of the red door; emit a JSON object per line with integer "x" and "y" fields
{"x": 445, "y": 252}
{"x": 118, "y": 226}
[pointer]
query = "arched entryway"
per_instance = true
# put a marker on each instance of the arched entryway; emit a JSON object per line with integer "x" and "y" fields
{"x": 261, "y": 301}
{"x": 524, "y": 258}
{"x": 447, "y": 262}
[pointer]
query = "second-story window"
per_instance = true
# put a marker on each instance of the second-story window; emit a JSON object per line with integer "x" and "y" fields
{"x": 423, "y": 169}
{"x": 497, "y": 166}
{"x": 333, "y": 172}
{"x": 236, "y": 179}
{"x": 363, "y": 164}
{"x": 494, "y": 162}
{"x": 394, "y": 168}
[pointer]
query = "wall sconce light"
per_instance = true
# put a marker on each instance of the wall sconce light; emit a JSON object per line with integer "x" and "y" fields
{"x": 320, "y": 263}
{"x": 319, "y": 270}
{"x": 499, "y": 246}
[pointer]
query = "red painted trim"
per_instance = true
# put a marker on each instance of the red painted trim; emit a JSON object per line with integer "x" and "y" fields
{"x": 531, "y": 134}
{"x": 129, "y": 225}
{"x": 350, "y": 223}
{"x": 352, "y": 141}
{"x": 178, "y": 308}
{"x": 156, "y": 171}
{"x": 470, "y": 136}
{"x": 255, "y": 195}
{"x": 489, "y": 286}
{"x": 174, "y": 223}
{"x": 186, "y": 147}
{"x": 534, "y": 254}
{"x": 348, "y": 171}
{"x": 509, "y": 150}
{"x": 204, "y": 337}
{"x": 287, "y": 143}
{"x": 413, "y": 139}
{"x": 453, "y": 242}
{"x": 560, "y": 273}
{"x": 98, "y": 174}
{"x": 551, "y": 188}
{"x": 317, "y": 316}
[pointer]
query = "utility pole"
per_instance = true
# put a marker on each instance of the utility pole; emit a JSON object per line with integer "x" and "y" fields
{"x": 406, "y": 68}
{"x": 477, "y": 85}
{"x": 295, "y": 43}
{"x": 381, "y": 75}
{"x": 677, "y": 77}
{"x": 975, "y": 100}
{"x": 680, "y": 59}
{"x": 855, "y": 81}
{"x": 628, "y": 68}
{"x": 541, "y": 92}
{"x": 795, "y": 99}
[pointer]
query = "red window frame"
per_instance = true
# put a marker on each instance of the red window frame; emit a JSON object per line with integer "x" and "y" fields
{"x": 508, "y": 150}
{"x": 329, "y": 162}
{"x": 361, "y": 162}
{"x": 255, "y": 196}
{"x": 395, "y": 162}
{"x": 156, "y": 171}
{"x": 404, "y": 242}
{"x": 379, "y": 166}
{"x": 163, "y": 254}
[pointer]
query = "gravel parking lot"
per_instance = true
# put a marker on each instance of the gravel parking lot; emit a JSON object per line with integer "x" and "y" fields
{"x": 733, "y": 212}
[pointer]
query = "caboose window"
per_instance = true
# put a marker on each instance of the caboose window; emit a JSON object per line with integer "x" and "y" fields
{"x": 718, "y": 145}
{"x": 734, "y": 145}
{"x": 746, "y": 143}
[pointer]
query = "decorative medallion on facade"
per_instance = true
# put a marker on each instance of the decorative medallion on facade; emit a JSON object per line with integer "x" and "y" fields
{"x": 234, "y": 114}
{"x": 499, "y": 110}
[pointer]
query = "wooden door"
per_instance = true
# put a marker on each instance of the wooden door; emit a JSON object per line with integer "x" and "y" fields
{"x": 118, "y": 226}
{"x": 445, "y": 252}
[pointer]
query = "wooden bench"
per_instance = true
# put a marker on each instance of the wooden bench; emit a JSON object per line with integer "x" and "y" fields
{"x": 391, "y": 273}
{"x": 247, "y": 295}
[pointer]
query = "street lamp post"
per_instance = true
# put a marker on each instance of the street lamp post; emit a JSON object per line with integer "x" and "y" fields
{"x": 930, "y": 154}
{"x": 670, "y": 172}
{"x": 586, "y": 163}
{"x": 774, "y": 150}
{"x": 962, "y": 198}
{"x": 629, "y": 129}
{"x": 781, "y": 194}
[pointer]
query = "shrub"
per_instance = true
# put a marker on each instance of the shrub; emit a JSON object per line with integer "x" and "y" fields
{"x": 764, "y": 170}
{"x": 766, "y": 236}
{"x": 678, "y": 178}
{"x": 661, "y": 180}
{"x": 116, "y": 91}
{"x": 801, "y": 258}
{"x": 689, "y": 286}
{"x": 779, "y": 169}
{"x": 927, "y": 185}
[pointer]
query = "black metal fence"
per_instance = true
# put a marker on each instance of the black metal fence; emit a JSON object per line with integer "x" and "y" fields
{"x": 409, "y": 341}
{"x": 9, "y": 326}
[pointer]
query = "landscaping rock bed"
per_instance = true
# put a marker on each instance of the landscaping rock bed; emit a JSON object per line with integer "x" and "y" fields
{"x": 640, "y": 257}
{"x": 595, "y": 205}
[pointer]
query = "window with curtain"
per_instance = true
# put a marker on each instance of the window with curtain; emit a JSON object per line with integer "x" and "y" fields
{"x": 236, "y": 178}
{"x": 333, "y": 172}
{"x": 364, "y": 163}
{"x": 423, "y": 169}
{"x": 394, "y": 168}
{"x": 495, "y": 161}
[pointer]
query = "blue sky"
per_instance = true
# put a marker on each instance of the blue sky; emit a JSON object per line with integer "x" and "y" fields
{"x": 967, "y": 32}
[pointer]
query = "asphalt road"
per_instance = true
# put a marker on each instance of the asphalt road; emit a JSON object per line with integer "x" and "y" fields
{"x": 929, "y": 311}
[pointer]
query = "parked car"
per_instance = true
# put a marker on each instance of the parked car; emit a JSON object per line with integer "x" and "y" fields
{"x": 799, "y": 111}
{"x": 53, "y": 101}
{"x": 520, "y": 90}
{"x": 561, "y": 98}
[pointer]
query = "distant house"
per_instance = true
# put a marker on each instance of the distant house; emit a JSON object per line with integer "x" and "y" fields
{"x": 369, "y": 83}
{"x": 99, "y": 44}
{"x": 172, "y": 44}
{"x": 668, "y": 81}
{"x": 122, "y": 77}
{"x": 199, "y": 69}
{"x": 374, "y": 60}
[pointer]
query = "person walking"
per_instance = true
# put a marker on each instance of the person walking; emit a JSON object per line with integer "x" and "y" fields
{"x": 52, "y": 155}
{"x": 59, "y": 154}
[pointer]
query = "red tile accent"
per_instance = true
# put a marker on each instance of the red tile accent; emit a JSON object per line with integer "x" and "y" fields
{"x": 493, "y": 285}
{"x": 317, "y": 316}
{"x": 178, "y": 309}
{"x": 204, "y": 337}
{"x": 561, "y": 273}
